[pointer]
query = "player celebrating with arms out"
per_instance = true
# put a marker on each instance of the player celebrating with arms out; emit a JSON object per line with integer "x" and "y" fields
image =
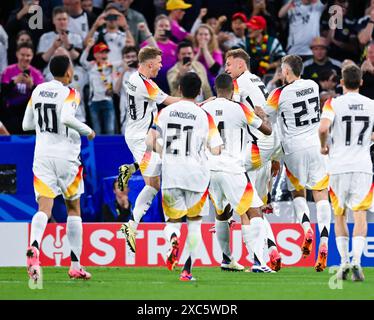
{"x": 296, "y": 107}
{"x": 143, "y": 96}
{"x": 181, "y": 133}
{"x": 350, "y": 118}
{"x": 57, "y": 169}
{"x": 229, "y": 180}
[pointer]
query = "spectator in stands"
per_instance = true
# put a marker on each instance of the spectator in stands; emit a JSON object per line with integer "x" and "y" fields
{"x": 207, "y": 51}
{"x": 320, "y": 61}
{"x": 133, "y": 18}
{"x": 237, "y": 38}
{"x": 80, "y": 20}
{"x": 60, "y": 37}
{"x": 107, "y": 29}
{"x": 328, "y": 81}
{"x": 366, "y": 26}
{"x": 343, "y": 42}
{"x": 3, "y": 130}
{"x": 87, "y": 5}
{"x": 120, "y": 209}
{"x": 3, "y": 49}
{"x": 368, "y": 73}
{"x": 304, "y": 25}
{"x": 17, "y": 83}
{"x": 161, "y": 40}
{"x": 19, "y": 20}
{"x": 267, "y": 11}
{"x": 22, "y": 37}
{"x": 177, "y": 11}
{"x": 129, "y": 66}
{"x": 265, "y": 51}
{"x": 277, "y": 81}
{"x": 187, "y": 63}
{"x": 101, "y": 79}
{"x": 216, "y": 23}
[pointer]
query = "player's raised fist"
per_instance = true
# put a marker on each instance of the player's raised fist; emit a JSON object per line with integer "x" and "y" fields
{"x": 92, "y": 135}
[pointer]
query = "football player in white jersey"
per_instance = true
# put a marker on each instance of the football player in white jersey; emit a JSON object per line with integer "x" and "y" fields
{"x": 143, "y": 96}
{"x": 229, "y": 181}
{"x": 296, "y": 108}
{"x": 261, "y": 149}
{"x": 350, "y": 118}
{"x": 181, "y": 134}
{"x": 57, "y": 169}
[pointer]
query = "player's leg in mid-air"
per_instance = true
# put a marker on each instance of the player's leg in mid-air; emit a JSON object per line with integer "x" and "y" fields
{"x": 150, "y": 167}
{"x": 172, "y": 233}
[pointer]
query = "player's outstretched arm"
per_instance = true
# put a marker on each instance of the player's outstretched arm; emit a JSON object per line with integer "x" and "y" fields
{"x": 28, "y": 123}
{"x": 265, "y": 127}
{"x": 323, "y": 133}
{"x": 170, "y": 100}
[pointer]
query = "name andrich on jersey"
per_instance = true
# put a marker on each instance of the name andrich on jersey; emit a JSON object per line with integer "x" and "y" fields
{"x": 304, "y": 92}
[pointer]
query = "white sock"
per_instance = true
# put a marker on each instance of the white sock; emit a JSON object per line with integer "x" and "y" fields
{"x": 358, "y": 245}
{"x": 342, "y": 244}
{"x": 74, "y": 231}
{"x": 302, "y": 211}
{"x": 193, "y": 241}
{"x": 172, "y": 227}
{"x": 254, "y": 236}
{"x": 324, "y": 220}
{"x": 142, "y": 203}
{"x": 271, "y": 244}
{"x": 223, "y": 237}
{"x": 38, "y": 225}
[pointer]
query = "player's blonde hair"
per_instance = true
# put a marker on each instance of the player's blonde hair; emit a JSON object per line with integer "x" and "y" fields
{"x": 238, "y": 53}
{"x": 148, "y": 53}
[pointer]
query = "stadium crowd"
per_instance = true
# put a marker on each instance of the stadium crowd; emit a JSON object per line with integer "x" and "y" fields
{"x": 102, "y": 39}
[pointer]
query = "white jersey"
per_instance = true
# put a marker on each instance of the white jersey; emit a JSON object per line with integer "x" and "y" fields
{"x": 143, "y": 95}
{"x": 51, "y": 112}
{"x": 352, "y": 117}
{"x": 231, "y": 119}
{"x": 297, "y": 109}
{"x": 186, "y": 130}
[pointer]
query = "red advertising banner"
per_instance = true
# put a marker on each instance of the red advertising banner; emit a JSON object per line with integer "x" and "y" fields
{"x": 104, "y": 245}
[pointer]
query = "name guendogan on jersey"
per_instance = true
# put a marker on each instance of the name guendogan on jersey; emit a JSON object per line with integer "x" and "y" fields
{"x": 182, "y": 115}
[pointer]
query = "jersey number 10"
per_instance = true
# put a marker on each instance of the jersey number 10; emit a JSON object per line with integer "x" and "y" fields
{"x": 47, "y": 117}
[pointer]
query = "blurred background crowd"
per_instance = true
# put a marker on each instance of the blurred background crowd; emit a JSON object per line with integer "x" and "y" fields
{"x": 103, "y": 37}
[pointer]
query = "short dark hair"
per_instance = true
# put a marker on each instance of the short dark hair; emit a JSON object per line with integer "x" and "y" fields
{"x": 59, "y": 65}
{"x": 190, "y": 85}
{"x": 184, "y": 44}
{"x": 352, "y": 76}
{"x": 295, "y": 63}
{"x": 27, "y": 45}
{"x": 58, "y": 10}
{"x": 129, "y": 49}
{"x": 223, "y": 83}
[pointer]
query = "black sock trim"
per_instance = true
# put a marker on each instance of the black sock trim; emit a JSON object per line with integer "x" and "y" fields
{"x": 305, "y": 218}
{"x": 324, "y": 233}
{"x": 136, "y": 166}
{"x": 226, "y": 259}
{"x": 187, "y": 265}
{"x": 271, "y": 243}
{"x": 256, "y": 259}
{"x": 73, "y": 257}
{"x": 173, "y": 235}
{"x": 35, "y": 244}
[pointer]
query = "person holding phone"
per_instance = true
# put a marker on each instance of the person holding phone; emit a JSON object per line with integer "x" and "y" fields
{"x": 17, "y": 82}
{"x": 111, "y": 27}
{"x": 187, "y": 63}
{"x": 161, "y": 40}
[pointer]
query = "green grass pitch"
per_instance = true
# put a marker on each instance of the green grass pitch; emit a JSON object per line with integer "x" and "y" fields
{"x": 159, "y": 283}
